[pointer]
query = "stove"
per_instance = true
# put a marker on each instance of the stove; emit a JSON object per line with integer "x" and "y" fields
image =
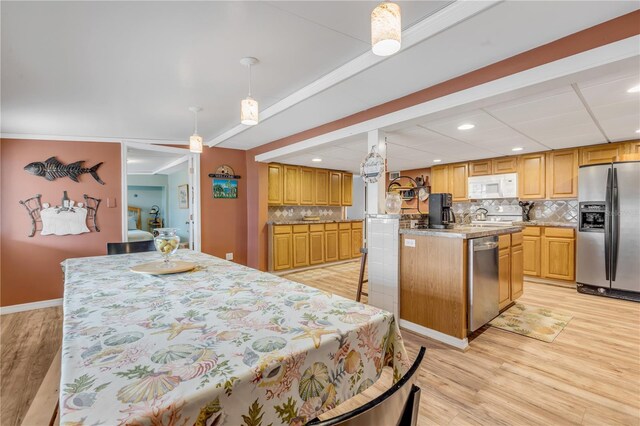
{"x": 500, "y": 216}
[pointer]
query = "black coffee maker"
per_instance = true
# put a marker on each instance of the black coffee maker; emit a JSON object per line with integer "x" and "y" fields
{"x": 440, "y": 214}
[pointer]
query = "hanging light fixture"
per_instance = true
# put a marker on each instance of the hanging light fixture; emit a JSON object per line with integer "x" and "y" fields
{"x": 195, "y": 141}
{"x": 386, "y": 29}
{"x": 249, "y": 106}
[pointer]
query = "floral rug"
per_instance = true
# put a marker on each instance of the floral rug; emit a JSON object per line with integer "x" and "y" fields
{"x": 532, "y": 321}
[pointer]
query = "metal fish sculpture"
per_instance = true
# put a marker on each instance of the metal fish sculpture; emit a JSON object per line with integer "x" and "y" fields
{"x": 53, "y": 169}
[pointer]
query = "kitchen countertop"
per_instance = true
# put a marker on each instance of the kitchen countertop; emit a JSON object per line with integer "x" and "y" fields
{"x": 464, "y": 232}
{"x": 547, "y": 223}
{"x": 311, "y": 222}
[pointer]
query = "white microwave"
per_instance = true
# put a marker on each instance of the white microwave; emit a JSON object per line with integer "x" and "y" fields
{"x": 493, "y": 186}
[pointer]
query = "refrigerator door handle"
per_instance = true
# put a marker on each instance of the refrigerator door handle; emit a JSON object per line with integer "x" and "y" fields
{"x": 615, "y": 225}
{"x": 607, "y": 228}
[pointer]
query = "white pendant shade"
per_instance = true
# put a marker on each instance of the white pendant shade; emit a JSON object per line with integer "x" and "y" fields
{"x": 386, "y": 29}
{"x": 195, "y": 144}
{"x": 249, "y": 111}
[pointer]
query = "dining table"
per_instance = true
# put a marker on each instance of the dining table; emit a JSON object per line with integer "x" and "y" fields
{"x": 222, "y": 344}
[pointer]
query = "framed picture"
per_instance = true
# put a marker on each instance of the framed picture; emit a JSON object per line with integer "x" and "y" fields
{"x": 225, "y": 188}
{"x": 183, "y": 196}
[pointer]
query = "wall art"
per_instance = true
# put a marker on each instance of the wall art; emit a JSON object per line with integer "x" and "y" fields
{"x": 52, "y": 169}
{"x": 183, "y": 196}
{"x": 225, "y": 182}
{"x": 67, "y": 219}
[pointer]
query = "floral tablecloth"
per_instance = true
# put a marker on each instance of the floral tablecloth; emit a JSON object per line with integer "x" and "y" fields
{"x": 221, "y": 345}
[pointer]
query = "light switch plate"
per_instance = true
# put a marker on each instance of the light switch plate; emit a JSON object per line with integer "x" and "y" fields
{"x": 409, "y": 243}
{"x": 229, "y": 256}
{"x": 111, "y": 202}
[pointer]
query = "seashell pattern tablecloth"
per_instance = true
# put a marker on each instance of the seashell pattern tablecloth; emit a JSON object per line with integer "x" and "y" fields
{"x": 221, "y": 345}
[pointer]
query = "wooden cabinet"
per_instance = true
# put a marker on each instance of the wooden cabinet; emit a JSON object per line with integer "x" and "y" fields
{"x": 356, "y": 239}
{"x": 321, "y": 185}
{"x": 274, "y": 196}
{"x": 517, "y": 266}
{"x": 562, "y": 174}
{"x": 558, "y": 254}
{"x": 531, "y": 251}
{"x": 458, "y": 187}
{"x": 531, "y": 176}
{"x": 505, "y": 165}
{"x": 480, "y": 168}
{"x": 331, "y": 253}
{"x": 307, "y": 176}
{"x": 632, "y": 147}
{"x": 291, "y": 194}
{"x": 347, "y": 189}
{"x": 600, "y": 154}
{"x": 344, "y": 241}
{"x": 282, "y": 248}
{"x": 439, "y": 179}
{"x": 504, "y": 270}
{"x": 335, "y": 188}
{"x": 300, "y": 247}
{"x": 316, "y": 244}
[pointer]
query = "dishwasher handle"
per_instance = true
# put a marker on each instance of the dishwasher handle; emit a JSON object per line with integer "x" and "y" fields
{"x": 485, "y": 246}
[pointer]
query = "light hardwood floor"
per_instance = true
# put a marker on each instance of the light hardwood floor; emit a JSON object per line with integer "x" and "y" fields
{"x": 589, "y": 375}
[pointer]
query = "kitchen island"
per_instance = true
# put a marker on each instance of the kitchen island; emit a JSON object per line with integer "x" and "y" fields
{"x": 434, "y": 278}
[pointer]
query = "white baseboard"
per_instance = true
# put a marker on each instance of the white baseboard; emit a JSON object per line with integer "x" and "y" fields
{"x": 435, "y": 335}
{"x": 30, "y": 306}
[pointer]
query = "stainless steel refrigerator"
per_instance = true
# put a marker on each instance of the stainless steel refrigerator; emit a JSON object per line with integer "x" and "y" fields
{"x": 608, "y": 249}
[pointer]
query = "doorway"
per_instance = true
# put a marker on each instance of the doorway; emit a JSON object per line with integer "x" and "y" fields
{"x": 160, "y": 187}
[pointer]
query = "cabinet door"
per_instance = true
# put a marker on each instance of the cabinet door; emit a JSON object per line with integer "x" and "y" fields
{"x": 600, "y": 154}
{"x": 282, "y": 258}
{"x": 316, "y": 247}
{"x": 439, "y": 179}
{"x": 356, "y": 242}
{"x": 531, "y": 179}
{"x": 558, "y": 258}
{"x": 300, "y": 250}
{"x": 321, "y": 184}
{"x": 275, "y": 185}
{"x": 347, "y": 189}
{"x": 504, "y": 276}
{"x": 505, "y": 165}
{"x": 517, "y": 279}
{"x": 335, "y": 188}
{"x": 306, "y": 186}
{"x": 480, "y": 168}
{"x": 531, "y": 257}
{"x": 331, "y": 245}
{"x": 458, "y": 174}
{"x": 291, "y": 195}
{"x": 562, "y": 174}
{"x": 345, "y": 244}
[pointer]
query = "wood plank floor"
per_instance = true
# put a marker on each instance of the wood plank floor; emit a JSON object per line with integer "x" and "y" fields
{"x": 589, "y": 375}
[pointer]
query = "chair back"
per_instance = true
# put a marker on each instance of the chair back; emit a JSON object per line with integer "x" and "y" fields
{"x": 131, "y": 247}
{"x": 398, "y": 406}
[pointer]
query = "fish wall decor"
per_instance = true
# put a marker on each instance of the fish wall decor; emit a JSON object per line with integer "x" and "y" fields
{"x": 52, "y": 169}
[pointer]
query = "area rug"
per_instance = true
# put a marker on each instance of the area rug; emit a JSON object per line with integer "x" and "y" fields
{"x": 538, "y": 323}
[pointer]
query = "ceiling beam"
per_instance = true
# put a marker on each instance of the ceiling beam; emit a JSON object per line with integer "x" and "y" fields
{"x": 171, "y": 164}
{"x": 430, "y": 26}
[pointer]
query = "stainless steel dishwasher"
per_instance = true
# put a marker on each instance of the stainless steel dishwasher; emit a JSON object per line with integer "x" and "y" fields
{"x": 484, "y": 287}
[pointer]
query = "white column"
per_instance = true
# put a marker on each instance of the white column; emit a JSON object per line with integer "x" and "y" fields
{"x": 376, "y": 191}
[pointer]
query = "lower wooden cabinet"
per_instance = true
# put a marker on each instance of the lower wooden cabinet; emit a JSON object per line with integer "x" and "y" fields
{"x": 316, "y": 245}
{"x": 549, "y": 252}
{"x": 517, "y": 271}
{"x": 301, "y": 247}
{"x": 510, "y": 268}
{"x": 504, "y": 275}
{"x": 282, "y": 258}
{"x": 331, "y": 253}
{"x": 344, "y": 235}
{"x": 356, "y": 240}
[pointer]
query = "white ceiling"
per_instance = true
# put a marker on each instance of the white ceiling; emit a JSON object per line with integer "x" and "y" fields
{"x": 129, "y": 70}
{"x": 146, "y": 162}
{"x": 549, "y": 119}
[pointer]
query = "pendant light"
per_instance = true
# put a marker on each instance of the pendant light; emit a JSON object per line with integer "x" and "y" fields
{"x": 386, "y": 29}
{"x": 249, "y": 106}
{"x": 195, "y": 141}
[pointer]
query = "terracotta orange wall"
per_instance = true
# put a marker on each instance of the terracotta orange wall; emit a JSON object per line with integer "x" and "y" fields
{"x": 224, "y": 221}
{"x": 30, "y": 267}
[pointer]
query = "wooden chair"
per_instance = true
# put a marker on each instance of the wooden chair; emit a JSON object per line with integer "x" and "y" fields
{"x": 398, "y": 406}
{"x": 361, "y": 280}
{"x": 131, "y": 247}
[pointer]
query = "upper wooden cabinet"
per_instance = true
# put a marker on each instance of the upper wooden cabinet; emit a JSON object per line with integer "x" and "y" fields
{"x": 531, "y": 176}
{"x": 291, "y": 195}
{"x": 347, "y": 189}
{"x": 458, "y": 186}
{"x": 601, "y": 154}
{"x": 335, "y": 188}
{"x": 275, "y": 185}
{"x": 480, "y": 168}
{"x": 633, "y": 147}
{"x": 439, "y": 179}
{"x": 307, "y": 176}
{"x": 321, "y": 184}
{"x": 562, "y": 174}
{"x": 505, "y": 165}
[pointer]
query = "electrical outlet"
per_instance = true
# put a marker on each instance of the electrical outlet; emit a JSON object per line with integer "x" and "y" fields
{"x": 229, "y": 256}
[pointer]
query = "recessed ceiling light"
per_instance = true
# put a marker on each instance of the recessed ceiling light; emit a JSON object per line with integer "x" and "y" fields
{"x": 437, "y": 160}
{"x": 634, "y": 89}
{"x": 466, "y": 126}
{"x": 316, "y": 160}
{"x": 517, "y": 148}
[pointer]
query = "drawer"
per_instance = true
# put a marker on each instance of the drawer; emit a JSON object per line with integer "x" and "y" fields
{"x": 282, "y": 229}
{"x": 356, "y": 225}
{"x": 330, "y": 226}
{"x": 559, "y": 232}
{"x": 300, "y": 228}
{"x": 345, "y": 225}
{"x": 516, "y": 239}
{"x": 316, "y": 228}
{"x": 531, "y": 231}
{"x": 504, "y": 241}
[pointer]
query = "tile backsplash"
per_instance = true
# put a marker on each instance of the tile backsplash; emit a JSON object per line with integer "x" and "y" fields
{"x": 285, "y": 213}
{"x": 543, "y": 210}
